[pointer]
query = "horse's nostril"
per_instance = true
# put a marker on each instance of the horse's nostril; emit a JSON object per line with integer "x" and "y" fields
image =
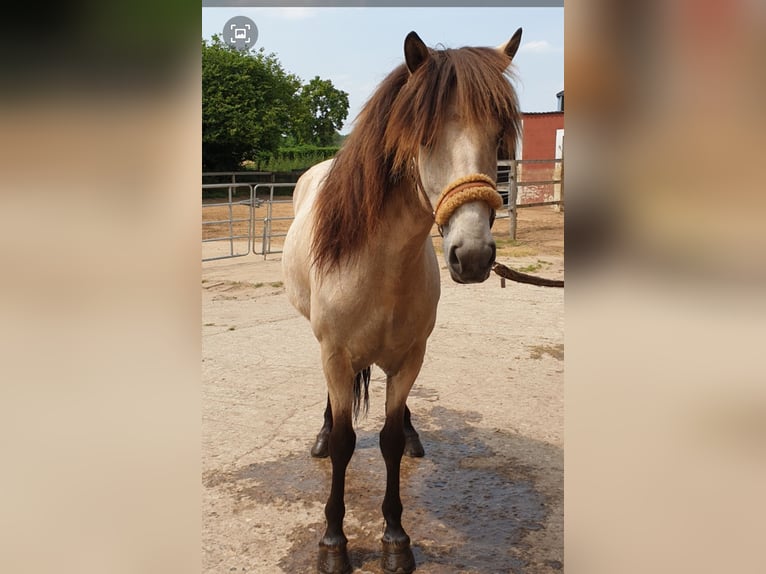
{"x": 454, "y": 260}
{"x": 493, "y": 254}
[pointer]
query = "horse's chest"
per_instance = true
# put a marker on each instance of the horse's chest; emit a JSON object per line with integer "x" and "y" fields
{"x": 377, "y": 317}
{"x": 403, "y": 318}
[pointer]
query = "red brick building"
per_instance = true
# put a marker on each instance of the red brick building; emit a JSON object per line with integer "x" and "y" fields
{"x": 540, "y": 132}
{"x": 542, "y": 139}
{"x": 542, "y": 142}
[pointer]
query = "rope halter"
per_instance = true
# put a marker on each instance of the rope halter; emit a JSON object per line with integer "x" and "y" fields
{"x": 474, "y": 187}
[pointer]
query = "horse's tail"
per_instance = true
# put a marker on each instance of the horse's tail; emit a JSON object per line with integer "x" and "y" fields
{"x": 362, "y": 376}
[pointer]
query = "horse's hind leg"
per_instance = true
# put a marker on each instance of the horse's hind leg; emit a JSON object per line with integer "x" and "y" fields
{"x": 321, "y": 448}
{"x": 333, "y": 556}
{"x": 412, "y": 445}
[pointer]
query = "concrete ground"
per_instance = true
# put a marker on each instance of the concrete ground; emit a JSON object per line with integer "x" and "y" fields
{"x": 487, "y": 497}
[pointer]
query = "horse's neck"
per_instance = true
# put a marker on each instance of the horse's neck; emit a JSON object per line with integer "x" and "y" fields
{"x": 405, "y": 226}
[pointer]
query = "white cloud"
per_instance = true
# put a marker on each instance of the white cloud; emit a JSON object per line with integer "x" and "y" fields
{"x": 539, "y": 47}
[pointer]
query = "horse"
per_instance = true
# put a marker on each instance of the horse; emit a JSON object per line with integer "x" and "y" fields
{"x": 412, "y": 445}
{"x": 358, "y": 259}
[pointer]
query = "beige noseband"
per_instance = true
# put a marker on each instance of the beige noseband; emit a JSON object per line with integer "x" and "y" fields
{"x": 474, "y": 187}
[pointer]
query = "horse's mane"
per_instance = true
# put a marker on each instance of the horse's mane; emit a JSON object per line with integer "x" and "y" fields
{"x": 404, "y": 113}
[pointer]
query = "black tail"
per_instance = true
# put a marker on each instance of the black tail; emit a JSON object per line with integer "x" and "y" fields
{"x": 362, "y": 376}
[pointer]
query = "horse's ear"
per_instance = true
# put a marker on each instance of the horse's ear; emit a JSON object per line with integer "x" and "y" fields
{"x": 415, "y": 52}
{"x": 511, "y": 46}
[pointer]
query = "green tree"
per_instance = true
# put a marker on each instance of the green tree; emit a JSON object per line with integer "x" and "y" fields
{"x": 248, "y": 102}
{"x": 323, "y": 110}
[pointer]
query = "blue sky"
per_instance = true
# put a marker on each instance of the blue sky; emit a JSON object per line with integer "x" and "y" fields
{"x": 357, "y": 47}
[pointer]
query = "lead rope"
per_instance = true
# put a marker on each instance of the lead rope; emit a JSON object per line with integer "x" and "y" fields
{"x": 519, "y": 277}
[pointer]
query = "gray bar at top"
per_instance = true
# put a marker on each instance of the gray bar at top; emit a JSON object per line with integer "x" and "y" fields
{"x": 383, "y": 3}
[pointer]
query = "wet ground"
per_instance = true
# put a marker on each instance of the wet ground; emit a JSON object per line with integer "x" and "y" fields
{"x": 487, "y": 497}
{"x": 468, "y": 507}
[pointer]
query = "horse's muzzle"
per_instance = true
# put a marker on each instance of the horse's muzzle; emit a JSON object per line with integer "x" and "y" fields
{"x": 471, "y": 263}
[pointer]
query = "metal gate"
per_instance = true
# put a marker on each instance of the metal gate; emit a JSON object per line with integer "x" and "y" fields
{"x": 270, "y": 226}
{"x": 231, "y": 227}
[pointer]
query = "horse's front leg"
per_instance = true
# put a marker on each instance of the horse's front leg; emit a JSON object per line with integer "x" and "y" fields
{"x": 397, "y": 555}
{"x": 333, "y": 556}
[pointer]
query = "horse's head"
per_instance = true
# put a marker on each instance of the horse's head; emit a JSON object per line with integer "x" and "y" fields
{"x": 476, "y": 112}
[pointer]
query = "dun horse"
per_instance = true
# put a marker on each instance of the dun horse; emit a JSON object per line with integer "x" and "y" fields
{"x": 359, "y": 262}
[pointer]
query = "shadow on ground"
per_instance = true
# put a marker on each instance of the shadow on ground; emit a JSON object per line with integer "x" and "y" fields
{"x": 467, "y": 505}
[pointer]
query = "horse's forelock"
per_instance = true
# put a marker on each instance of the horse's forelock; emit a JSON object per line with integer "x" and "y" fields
{"x": 475, "y": 80}
{"x": 405, "y": 112}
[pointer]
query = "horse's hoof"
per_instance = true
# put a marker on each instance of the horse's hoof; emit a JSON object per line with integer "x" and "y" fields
{"x": 413, "y": 447}
{"x": 321, "y": 448}
{"x": 333, "y": 560}
{"x": 397, "y": 557}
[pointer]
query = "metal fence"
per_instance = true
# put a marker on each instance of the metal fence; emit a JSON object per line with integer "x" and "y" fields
{"x": 211, "y": 227}
{"x": 267, "y": 222}
{"x": 238, "y": 227}
{"x": 235, "y": 227}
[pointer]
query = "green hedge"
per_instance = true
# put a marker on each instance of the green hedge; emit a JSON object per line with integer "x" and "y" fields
{"x": 292, "y": 158}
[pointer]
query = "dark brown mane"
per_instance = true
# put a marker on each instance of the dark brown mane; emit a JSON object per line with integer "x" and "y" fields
{"x": 404, "y": 113}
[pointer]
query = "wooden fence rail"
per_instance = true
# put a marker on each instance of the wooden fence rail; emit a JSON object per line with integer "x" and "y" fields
{"x": 510, "y": 177}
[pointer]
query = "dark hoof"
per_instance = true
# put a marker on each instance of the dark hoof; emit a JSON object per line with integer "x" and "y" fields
{"x": 333, "y": 560}
{"x": 397, "y": 557}
{"x": 321, "y": 448}
{"x": 412, "y": 446}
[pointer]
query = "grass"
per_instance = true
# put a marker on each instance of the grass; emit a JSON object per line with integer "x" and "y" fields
{"x": 508, "y": 247}
{"x": 555, "y": 351}
{"x": 531, "y": 268}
